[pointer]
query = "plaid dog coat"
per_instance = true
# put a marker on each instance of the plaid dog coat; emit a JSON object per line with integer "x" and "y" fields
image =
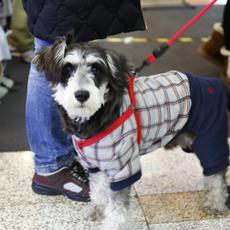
{"x": 163, "y": 108}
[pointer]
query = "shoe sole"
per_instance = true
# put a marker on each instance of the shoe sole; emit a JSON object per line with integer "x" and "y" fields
{"x": 43, "y": 190}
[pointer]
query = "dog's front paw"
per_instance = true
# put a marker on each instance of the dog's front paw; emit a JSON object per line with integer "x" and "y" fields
{"x": 96, "y": 214}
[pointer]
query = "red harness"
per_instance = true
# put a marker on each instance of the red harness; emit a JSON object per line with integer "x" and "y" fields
{"x": 131, "y": 109}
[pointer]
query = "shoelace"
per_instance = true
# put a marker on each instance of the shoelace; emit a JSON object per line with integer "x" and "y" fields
{"x": 78, "y": 172}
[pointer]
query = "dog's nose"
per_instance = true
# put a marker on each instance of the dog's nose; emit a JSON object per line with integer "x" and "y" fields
{"x": 82, "y": 95}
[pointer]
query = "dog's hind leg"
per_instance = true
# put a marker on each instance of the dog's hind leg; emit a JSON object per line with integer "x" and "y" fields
{"x": 116, "y": 211}
{"x": 216, "y": 194}
{"x": 183, "y": 140}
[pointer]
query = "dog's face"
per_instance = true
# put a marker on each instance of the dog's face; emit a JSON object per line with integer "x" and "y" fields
{"x": 83, "y": 86}
{"x": 83, "y": 76}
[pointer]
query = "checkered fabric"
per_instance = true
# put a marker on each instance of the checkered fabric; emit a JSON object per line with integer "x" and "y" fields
{"x": 163, "y": 102}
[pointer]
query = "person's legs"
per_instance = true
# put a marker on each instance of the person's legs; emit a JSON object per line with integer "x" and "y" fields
{"x": 20, "y": 38}
{"x": 56, "y": 170}
{"x": 52, "y": 147}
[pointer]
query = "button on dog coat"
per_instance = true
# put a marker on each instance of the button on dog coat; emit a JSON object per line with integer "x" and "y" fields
{"x": 165, "y": 105}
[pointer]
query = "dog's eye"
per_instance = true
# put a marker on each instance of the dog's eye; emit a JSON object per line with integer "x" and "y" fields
{"x": 67, "y": 69}
{"x": 96, "y": 68}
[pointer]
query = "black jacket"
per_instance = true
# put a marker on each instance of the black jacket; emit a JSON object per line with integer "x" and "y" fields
{"x": 90, "y": 19}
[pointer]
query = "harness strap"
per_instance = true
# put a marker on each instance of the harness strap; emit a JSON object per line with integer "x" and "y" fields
{"x": 136, "y": 112}
{"x": 125, "y": 116}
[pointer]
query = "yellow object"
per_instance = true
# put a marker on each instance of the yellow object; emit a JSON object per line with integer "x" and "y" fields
{"x": 162, "y": 40}
{"x": 114, "y": 40}
{"x": 186, "y": 39}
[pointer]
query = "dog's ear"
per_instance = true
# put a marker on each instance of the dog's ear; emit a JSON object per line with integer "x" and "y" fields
{"x": 51, "y": 58}
{"x": 119, "y": 67}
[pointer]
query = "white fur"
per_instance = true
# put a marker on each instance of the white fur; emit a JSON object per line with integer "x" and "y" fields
{"x": 216, "y": 194}
{"x": 74, "y": 57}
{"x": 65, "y": 97}
{"x": 77, "y": 57}
{"x": 111, "y": 64}
{"x": 82, "y": 79}
{"x": 60, "y": 53}
{"x": 113, "y": 204}
{"x": 92, "y": 58}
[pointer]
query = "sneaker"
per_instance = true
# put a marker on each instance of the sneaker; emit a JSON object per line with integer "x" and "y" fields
{"x": 68, "y": 181}
{"x": 7, "y": 82}
{"x": 14, "y": 52}
{"x": 28, "y": 56}
{"x": 3, "y": 91}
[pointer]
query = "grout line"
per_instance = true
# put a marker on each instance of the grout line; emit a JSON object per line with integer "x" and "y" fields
{"x": 137, "y": 197}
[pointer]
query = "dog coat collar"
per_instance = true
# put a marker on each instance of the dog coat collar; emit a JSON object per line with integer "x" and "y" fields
{"x": 126, "y": 115}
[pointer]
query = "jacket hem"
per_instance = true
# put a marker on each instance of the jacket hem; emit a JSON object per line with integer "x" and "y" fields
{"x": 217, "y": 168}
{"x": 93, "y": 170}
{"x": 116, "y": 186}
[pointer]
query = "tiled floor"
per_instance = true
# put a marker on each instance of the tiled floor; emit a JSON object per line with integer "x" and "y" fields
{"x": 21, "y": 209}
{"x": 171, "y": 191}
{"x": 167, "y": 197}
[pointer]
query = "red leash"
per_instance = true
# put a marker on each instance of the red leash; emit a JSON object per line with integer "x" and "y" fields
{"x": 161, "y": 50}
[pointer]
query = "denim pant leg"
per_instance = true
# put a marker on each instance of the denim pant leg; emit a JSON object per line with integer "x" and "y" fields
{"x": 53, "y": 149}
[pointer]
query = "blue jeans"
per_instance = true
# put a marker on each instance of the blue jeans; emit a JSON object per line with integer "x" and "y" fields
{"x": 53, "y": 148}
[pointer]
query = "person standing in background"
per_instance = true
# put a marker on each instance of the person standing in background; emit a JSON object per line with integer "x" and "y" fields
{"x": 20, "y": 39}
{"x": 5, "y": 82}
{"x": 217, "y": 48}
{"x": 56, "y": 171}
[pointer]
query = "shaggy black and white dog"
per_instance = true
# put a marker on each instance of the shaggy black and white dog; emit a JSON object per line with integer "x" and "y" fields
{"x": 114, "y": 118}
